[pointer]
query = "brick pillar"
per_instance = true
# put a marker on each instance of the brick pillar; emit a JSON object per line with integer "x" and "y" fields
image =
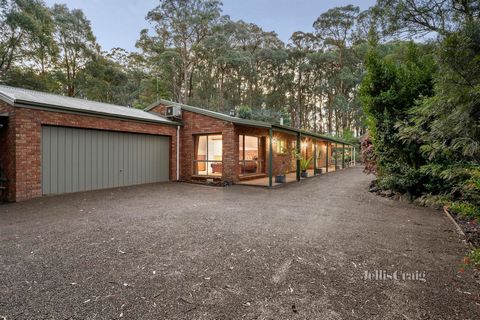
{"x": 7, "y": 158}
{"x": 230, "y": 153}
{"x": 28, "y": 155}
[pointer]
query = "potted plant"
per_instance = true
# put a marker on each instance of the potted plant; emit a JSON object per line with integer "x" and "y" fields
{"x": 282, "y": 177}
{"x": 319, "y": 156}
{"x": 348, "y": 159}
{"x": 304, "y": 165}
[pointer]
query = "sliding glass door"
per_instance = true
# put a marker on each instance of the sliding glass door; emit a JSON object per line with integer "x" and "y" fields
{"x": 251, "y": 154}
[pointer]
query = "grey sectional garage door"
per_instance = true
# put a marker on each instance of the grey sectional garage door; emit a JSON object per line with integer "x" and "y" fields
{"x": 81, "y": 159}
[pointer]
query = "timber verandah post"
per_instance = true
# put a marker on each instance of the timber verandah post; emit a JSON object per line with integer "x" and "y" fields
{"x": 270, "y": 158}
{"x": 326, "y": 157}
{"x": 343, "y": 156}
{"x": 354, "y": 156}
{"x": 314, "y": 157}
{"x": 335, "y": 155}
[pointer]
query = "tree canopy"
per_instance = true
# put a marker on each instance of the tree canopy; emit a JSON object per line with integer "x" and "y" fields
{"x": 422, "y": 102}
{"x": 195, "y": 54}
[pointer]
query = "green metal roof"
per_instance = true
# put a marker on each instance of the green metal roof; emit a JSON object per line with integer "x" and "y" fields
{"x": 212, "y": 114}
{"x": 19, "y": 97}
{"x": 310, "y": 134}
{"x": 240, "y": 121}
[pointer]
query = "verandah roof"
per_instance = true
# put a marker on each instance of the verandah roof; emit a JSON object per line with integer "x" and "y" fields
{"x": 246, "y": 122}
{"x": 19, "y": 97}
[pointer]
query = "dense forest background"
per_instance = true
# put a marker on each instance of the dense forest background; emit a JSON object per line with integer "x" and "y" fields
{"x": 422, "y": 109}
{"x": 194, "y": 54}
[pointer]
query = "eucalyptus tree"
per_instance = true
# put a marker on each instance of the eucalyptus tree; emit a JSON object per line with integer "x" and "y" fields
{"x": 235, "y": 66}
{"x": 27, "y": 34}
{"x": 301, "y": 44}
{"x": 335, "y": 27}
{"x": 422, "y": 18}
{"x": 77, "y": 44}
{"x": 338, "y": 29}
{"x": 181, "y": 25}
{"x": 275, "y": 83}
{"x": 223, "y": 68}
{"x": 103, "y": 79}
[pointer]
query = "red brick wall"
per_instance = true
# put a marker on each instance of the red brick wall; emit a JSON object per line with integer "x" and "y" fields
{"x": 7, "y": 151}
{"x": 251, "y": 131}
{"x": 291, "y": 163}
{"x": 306, "y": 149}
{"x": 194, "y": 124}
{"x": 322, "y": 146}
{"x": 199, "y": 124}
{"x": 277, "y": 158}
{"x": 27, "y": 126}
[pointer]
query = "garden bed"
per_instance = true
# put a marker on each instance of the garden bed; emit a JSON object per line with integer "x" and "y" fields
{"x": 470, "y": 227}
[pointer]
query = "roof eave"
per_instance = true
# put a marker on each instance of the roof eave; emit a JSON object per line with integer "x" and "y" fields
{"x": 208, "y": 113}
{"x": 6, "y": 98}
{"x": 310, "y": 134}
{"x": 240, "y": 121}
{"x": 29, "y": 104}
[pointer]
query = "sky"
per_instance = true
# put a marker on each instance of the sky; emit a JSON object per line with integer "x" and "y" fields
{"x": 117, "y": 23}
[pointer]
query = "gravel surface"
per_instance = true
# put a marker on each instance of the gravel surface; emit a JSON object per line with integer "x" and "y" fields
{"x": 182, "y": 251}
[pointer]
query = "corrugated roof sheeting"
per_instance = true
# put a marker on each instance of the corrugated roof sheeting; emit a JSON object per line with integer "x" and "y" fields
{"x": 241, "y": 121}
{"x": 23, "y": 98}
{"x": 212, "y": 114}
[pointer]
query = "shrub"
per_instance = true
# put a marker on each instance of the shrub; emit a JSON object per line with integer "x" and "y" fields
{"x": 472, "y": 259}
{"x": 245, "y": 112}
{"x": 465, "y": 210}
{"x": 367, "y": 153}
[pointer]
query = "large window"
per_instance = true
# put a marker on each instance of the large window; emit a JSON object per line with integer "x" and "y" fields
{"x": 208, "y": 155}
{"x": 281, "y": 146}
{"x": 321, "y": 154}
{"x": 250, "y": 155}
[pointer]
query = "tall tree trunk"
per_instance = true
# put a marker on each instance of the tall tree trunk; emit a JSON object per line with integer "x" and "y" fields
{"x": 330, "y": 113}
{"x": 221, "y": 100}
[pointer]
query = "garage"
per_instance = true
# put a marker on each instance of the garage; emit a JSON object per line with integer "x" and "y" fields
{"x": 76, "y": 159}
{"x": 51, "y": 144}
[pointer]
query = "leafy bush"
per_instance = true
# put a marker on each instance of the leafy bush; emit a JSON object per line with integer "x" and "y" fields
{"x": 424, "y": 120}
{"x": 472, "y": 259}
{"x": 245, "y": 112}
{"x": 368, "y": 156}
{"x": 435, "y": 201}
{"x": 305, "y": 163}
{"x": 465, "y": 210}
{"x": 390, "y": 89}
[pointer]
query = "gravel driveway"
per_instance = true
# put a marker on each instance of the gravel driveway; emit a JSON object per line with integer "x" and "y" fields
{"x": 183, "y": 251}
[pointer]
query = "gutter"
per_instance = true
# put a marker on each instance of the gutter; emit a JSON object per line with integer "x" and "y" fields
{"x": 211, "y": 114}
{"x": 240, "y": 121}
{"x": 306, "y": 133}
{"x": 48, "y": 107}
{"x": 6, "y": 98}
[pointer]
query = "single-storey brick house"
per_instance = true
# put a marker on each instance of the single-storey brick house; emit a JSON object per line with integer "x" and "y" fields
{"x": 230, "y": 149}
{"x": 51, "y": 144}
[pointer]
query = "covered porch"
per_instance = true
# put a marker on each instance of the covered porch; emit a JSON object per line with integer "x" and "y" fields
{"x": 264, "y": 181}
{"x": 292, "y": 155}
